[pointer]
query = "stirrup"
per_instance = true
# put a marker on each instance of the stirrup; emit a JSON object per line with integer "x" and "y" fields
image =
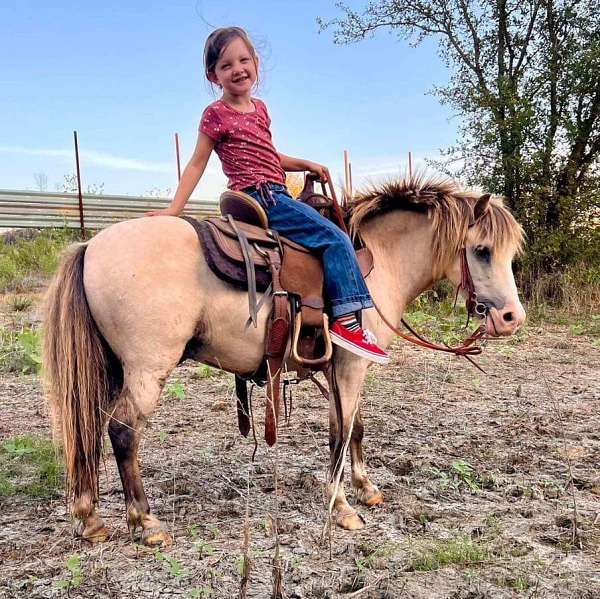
{"x": 328, "y": 345}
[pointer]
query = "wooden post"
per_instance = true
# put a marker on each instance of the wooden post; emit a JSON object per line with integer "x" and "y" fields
{"x": 81, "y": 221}
{"x": 350, "y": 179}
{"x": 346, "y": 172}
{"x": 177, "y": 155}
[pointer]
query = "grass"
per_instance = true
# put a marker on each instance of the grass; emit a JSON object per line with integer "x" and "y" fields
{"x": 20, "y": 303}
{"x": 460, "y": 550}
{"x": 29, "y": 467}
{"x": 24, "y": 260}
{"x": 20, "y": 351}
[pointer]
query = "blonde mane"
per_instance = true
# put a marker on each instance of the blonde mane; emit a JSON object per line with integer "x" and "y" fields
{"x": 450, "y": 209}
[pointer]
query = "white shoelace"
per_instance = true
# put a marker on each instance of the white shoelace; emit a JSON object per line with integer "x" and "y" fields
{"x": 369, "y": 337}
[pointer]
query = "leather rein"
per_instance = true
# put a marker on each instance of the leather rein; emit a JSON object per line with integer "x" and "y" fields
{"x": 468, "y": 347}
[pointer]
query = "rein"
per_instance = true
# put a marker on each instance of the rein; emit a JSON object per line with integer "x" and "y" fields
{"x": 468, "y": 347}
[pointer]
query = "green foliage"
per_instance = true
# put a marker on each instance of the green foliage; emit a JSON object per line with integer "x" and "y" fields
{"x": 371, "y": 556}
{"x": 22, "y": 260}
{"x": 461, "y": 550}
{"x": 20, "y": 351}
{"x": 460, "y": 476}
{"x": 439, "y": 321}
{"x": 29, "y": 467}
{"x": 20, "y": 303}
{"x": 204, "y": 371}
{"x": 524, "y": 80}
{"x": 204, "y": 549}
{"x": 76, "y": 575}
{"x": 174, "y": 565}
{"x": 175, "y": 390}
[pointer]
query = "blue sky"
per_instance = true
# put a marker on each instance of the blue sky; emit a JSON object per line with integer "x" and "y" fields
{"x": 127, "y": 75}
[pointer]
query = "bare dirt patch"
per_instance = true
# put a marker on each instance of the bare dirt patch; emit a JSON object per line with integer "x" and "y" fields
{"x": 474, "y": 469}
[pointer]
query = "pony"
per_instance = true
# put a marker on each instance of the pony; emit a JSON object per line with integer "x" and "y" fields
{"x": 137, "y": 299}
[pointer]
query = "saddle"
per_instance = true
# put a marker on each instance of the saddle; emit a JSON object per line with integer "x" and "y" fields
{"x": 240, "y": 249}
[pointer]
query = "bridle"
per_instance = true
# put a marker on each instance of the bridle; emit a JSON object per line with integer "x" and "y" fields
{"x": 469, "y": 347}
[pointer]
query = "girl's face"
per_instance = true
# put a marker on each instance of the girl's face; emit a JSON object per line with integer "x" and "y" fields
{"x": 236, "y": 69}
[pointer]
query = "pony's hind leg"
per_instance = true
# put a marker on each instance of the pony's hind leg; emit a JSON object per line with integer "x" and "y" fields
{"x": 90, "y": 526}
{"x": 366, "y": 491}
{"x": 125, "y": 428}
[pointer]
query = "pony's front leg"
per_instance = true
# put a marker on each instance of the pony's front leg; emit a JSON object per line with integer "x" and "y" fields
{"x": 366, "y": 491}
{"x": 125, "y": 427}
{"x": 344, "y": 419}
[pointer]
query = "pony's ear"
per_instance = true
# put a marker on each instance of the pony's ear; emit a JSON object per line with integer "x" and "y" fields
{"x": 481, "y": 206}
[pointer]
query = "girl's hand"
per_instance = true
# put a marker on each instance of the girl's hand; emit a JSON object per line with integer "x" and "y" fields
{"x": 163, "y": 212}
{"x": 318, "y": 169}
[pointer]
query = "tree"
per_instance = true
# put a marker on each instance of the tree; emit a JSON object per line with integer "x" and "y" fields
{"x": 41, "y": 181}
{"x": 525, "y": 78}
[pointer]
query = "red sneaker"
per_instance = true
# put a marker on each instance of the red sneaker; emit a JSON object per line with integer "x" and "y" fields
{"x": 361, "y": 342}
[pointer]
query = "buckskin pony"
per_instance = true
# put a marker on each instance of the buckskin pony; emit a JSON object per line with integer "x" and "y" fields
{"x": 127, "y": 306}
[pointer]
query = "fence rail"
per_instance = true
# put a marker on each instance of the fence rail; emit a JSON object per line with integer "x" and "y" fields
{"x": 24, "y": 209}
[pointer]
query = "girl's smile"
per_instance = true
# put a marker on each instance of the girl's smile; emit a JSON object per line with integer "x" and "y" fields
{"x": 236, "y": 69}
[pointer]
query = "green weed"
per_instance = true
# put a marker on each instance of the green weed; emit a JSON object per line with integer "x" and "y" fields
{"x": 461, "y": 475}
{"x": 29, "y": 467}
{"x": 204, "y": 371}
{"x": 197, "y": 592}
{"x": 20, "y": 351}
{"x": 175, "y": 390}
{"x": 76, "y": 575}
{"x": 461, "y": 550}
{"x": 204, "y": 549}
{"x": 174, "y": 565}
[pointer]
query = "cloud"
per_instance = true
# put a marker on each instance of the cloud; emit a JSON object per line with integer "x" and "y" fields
{"x": 92, "y": 157}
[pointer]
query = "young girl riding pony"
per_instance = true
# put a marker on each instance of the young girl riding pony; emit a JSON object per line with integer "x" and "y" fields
{"x": 237, "y": 128}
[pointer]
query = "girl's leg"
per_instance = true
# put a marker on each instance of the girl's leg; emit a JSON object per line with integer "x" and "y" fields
{"x": 344, "y": 283}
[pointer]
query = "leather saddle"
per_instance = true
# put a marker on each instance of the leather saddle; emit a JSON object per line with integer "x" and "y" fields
{"x": 240, "y": 249}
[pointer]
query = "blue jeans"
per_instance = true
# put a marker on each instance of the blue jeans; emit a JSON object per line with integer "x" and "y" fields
{"x": 344, "y": 284}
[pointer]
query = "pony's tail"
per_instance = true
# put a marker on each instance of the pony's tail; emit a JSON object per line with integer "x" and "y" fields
{"x": 81, "y": 375}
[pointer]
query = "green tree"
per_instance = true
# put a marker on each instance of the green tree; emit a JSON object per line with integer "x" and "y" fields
{"x": 525, "y": 79}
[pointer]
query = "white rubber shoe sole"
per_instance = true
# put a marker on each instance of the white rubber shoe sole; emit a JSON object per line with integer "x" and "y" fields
{"x": 359, "y": 351}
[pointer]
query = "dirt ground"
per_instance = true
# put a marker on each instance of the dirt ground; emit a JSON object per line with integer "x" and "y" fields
{"x": 503, "y": 465}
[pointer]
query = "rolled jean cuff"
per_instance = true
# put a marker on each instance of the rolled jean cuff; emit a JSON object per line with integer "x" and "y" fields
{"x": 338, "y": 310}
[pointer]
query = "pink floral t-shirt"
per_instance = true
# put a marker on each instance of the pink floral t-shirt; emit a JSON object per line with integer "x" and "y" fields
{"x": 243, "y": 143}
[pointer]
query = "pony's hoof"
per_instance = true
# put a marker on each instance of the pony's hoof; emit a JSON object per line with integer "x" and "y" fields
{"x": 370, "y": 497}
{"x": 93, "y": 532}
{"x": 350, "y": 521}
{"x": 156, "y": 537}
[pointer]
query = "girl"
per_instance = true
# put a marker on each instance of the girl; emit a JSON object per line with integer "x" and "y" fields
{"x": 236, "y": 127}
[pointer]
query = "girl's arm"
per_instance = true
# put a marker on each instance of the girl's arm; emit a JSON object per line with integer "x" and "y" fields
{"x": 190, "y": 177}
{"x": 291, "y": 164}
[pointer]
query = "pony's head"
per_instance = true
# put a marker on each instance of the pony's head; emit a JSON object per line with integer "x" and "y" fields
{"x": 459, "y": 219}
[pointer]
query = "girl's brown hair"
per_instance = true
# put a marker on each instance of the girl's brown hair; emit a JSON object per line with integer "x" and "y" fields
{"x": 218, "y": 40}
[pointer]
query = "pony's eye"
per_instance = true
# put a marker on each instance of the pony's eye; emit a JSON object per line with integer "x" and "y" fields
{"x": 483, "y": 253}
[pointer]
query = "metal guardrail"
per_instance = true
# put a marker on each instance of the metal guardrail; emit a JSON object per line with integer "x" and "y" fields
{"x": 31, "y": 209}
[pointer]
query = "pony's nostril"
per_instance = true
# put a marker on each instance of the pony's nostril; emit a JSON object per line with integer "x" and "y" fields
{"x": 508, "y": 316}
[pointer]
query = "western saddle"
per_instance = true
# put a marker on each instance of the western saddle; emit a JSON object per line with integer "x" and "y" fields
{"x": 240, "y": 249}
